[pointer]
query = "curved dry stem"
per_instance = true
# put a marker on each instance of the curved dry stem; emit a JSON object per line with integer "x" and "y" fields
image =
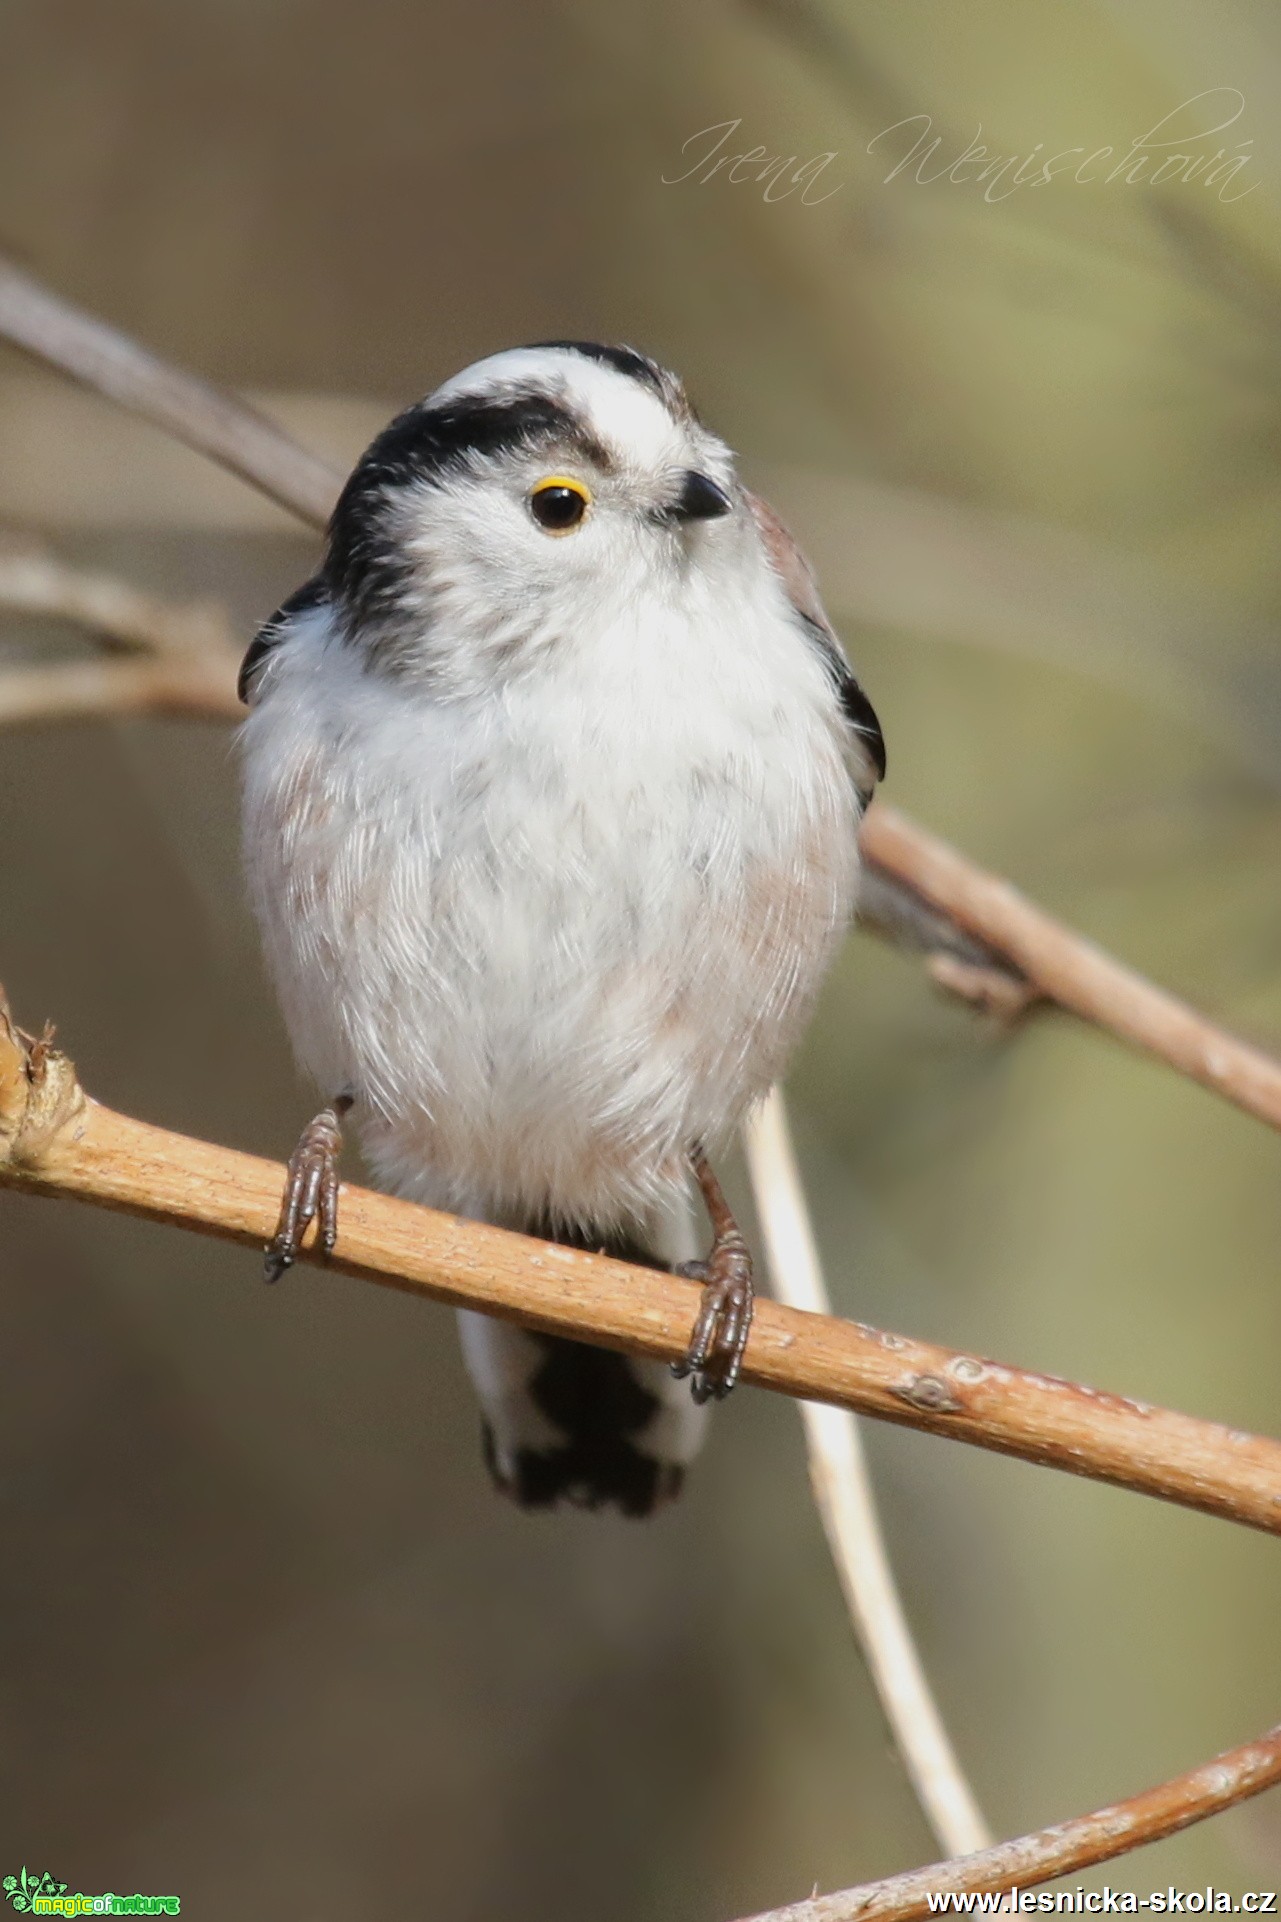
{"x": 842, "y": 1484}
{"x": 1064, "y": 1848}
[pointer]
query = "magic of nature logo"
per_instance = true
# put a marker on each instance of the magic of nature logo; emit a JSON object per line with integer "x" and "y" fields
{"x": 43, "y": 1895}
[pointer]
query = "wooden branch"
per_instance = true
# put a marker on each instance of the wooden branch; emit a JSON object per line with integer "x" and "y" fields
{"x": 54, "y": 1140}
{"x": 1062, "y": 1849}
{"x": 1068, "y": 969}
{"x": 842, "y": 1485}
{"x": 194, "y": 412}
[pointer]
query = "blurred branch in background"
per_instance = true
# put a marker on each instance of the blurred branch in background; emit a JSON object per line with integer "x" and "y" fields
{"x": 1068, "y": 969}
{"x": 1064, "y": 1847}
{"x": 180, "y": 660}
{"x": 196, "y": 413}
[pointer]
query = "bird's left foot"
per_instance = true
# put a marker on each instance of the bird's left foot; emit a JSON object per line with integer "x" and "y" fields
{"x": 715, "y": 1353}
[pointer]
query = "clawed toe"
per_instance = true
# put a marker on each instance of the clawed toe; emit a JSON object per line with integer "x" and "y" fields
{"x": 715, "y": 1353}
{"x": 311, "y": 1194}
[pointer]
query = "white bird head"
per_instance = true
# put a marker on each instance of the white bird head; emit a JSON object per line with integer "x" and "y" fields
{"x": 531, "y": 495}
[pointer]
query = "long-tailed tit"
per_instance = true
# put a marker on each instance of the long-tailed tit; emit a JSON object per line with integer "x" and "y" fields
{"x": 553, "y": 776}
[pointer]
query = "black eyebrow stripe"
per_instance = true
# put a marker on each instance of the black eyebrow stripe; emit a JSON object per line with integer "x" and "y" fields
{"x": 428, "y": 440}
{"x": 422, "y": 445}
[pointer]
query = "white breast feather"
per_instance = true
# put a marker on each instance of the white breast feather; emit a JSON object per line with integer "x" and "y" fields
{"x": 551, "y": 934}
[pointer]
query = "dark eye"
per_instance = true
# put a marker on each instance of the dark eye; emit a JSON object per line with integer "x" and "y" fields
{"x": 559, "y": 503}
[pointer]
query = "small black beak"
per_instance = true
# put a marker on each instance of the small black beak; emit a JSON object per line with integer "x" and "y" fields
{"x": 700, "y": 499}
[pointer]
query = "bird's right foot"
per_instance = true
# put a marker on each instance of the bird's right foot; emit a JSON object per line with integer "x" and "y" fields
{"x": 311, "y": 1192}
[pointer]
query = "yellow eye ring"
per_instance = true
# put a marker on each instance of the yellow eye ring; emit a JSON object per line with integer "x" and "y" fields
{"x": 559, "y": 503}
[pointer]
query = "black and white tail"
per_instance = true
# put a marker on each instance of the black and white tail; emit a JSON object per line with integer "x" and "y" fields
{"x": 563, "y": 1422}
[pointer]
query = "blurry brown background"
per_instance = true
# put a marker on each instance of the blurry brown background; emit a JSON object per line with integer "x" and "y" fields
{"x": 267, "y": 1640}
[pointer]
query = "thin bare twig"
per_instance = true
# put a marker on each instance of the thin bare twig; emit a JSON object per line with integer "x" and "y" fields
{"x": 842, "y": 1485}
{"x": 1062, "y": 1849}
{"x": 957, "y": 961}
{"x": 201, "y": 416}
{"x": 54, "y": 1140}
{"x": 1067, "y": 968}
{"x": 33, "y": 581}
{"x": 169, "y": 658}
{"x": 97, "y": 690}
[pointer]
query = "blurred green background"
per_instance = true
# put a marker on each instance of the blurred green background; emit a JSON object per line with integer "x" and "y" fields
{"x": 267, "y": 1640}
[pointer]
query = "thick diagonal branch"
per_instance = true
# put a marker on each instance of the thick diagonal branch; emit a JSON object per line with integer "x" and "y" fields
{"x": 54, "y": 1140}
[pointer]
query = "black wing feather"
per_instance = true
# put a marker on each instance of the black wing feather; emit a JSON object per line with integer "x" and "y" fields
{"x": 271, "y": 633}
{"x": 858, "y": 710}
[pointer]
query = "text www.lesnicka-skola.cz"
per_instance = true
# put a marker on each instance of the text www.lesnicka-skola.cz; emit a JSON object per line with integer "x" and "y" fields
{"x": 1105, "y": 1901}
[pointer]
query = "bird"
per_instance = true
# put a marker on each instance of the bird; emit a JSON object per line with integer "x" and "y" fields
{"x": 552, "y": 780}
